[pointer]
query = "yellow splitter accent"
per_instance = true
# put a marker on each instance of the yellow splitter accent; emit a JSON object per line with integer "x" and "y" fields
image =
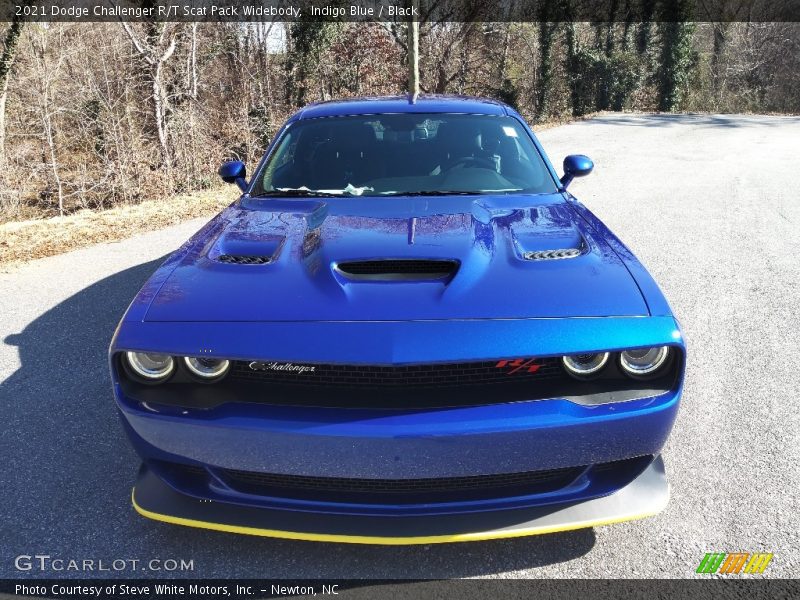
{"x": 646, "y": 496}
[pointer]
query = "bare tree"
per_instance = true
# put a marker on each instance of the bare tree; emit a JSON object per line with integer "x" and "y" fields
{"x": 48, "y": 72}
{"x": 158, "y": 107}
{"x": 156, "y": 48}
{"x": 6, "y": 62}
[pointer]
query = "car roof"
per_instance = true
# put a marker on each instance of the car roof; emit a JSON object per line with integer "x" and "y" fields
{"x": 403, "y": 104}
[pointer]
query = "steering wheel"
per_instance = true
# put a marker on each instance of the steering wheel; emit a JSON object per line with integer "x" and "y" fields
{"x": 473, "y": 161}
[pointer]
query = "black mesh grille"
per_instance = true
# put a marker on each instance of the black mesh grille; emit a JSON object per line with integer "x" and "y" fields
{"x": 553, "y": 254}
{"x": 283, "y": 383}
{"x": 398, "y": 269}
{"x": 398, "y": 485}
{"x": 400, "y": 377}
{"x": 429, "y": 489}
{"x": 409, "y": 491}
{"x": 240, "y": 259}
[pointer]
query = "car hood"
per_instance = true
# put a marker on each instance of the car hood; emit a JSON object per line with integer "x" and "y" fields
{"x": 499, "y": 248}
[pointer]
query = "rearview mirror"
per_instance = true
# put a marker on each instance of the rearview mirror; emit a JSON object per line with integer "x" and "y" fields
{"x": 234, "y": 171}
{"x": 576, "y": 165}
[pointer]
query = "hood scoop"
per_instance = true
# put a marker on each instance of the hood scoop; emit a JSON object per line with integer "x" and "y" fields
{"x": 239, "y": 248}
{"x": 244, "y": 259}
{"x": 414, "y": 260}
{"x": 547, "y": 234}
{"x": 555, "y": 254}
{"x": 397, "y": 270}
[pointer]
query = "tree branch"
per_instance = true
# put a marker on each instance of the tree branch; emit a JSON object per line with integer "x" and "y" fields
{"x": 137, "y": 44}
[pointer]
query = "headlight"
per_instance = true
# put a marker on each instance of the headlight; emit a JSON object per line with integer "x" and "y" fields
{"x": 644, "y": 361}
{"x": 151, "y": 367}
{"x": 207, "y": 368}
{"x": 585, "y": 365}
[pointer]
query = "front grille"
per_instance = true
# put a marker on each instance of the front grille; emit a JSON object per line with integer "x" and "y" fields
{"x": 338, "y": 489}
{"x": 398, "y": 269}
{"x": 404, "y": 491}
{"x": 494, "y": 372}
{"x": 241, "y": 259}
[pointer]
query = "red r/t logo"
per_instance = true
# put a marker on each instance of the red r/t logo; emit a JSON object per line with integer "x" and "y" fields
{"x": 519, "y": 365}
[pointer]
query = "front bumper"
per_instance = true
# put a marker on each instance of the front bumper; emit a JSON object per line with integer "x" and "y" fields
{"x": 384, "y": 442}
{"x": 362, "y": 443}
{"x": 378, "y": 444}
{"x": 645, "y": 496}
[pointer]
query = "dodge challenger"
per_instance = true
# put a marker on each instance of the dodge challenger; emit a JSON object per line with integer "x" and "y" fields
{"x": 405, "y": 331}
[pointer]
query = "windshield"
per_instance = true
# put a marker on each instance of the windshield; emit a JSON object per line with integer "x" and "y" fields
{"x": 401, "y": 154}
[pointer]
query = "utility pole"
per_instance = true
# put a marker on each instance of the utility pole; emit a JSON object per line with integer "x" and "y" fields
{"x": 413, "y": 52}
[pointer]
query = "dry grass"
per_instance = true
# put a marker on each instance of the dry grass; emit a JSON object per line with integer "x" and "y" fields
{"x": 22, "y": 241}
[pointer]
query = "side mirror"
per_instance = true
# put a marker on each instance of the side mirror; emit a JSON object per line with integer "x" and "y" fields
{"x": 234, "y": 171}
{"x": 576, "y": 165}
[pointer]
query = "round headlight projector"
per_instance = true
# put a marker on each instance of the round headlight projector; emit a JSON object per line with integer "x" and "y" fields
{"x": 150, "y": 366}
{"x": 585, "y": 365}
{"x": 207, "y": 368}
{"x": 644, "y": 361}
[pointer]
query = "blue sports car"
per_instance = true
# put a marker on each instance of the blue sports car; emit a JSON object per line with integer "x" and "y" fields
{"x": 405, "y": 330}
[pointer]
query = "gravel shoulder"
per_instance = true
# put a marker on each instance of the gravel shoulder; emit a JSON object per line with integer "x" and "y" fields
{"x": 23, "y": 241}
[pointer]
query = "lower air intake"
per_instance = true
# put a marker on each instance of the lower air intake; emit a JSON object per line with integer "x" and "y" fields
{"x": 399, "y": 491}
{"x": 398, "y": 269}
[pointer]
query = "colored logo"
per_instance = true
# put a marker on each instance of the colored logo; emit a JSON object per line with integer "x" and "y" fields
{"x": 518, "y": 365}
{"x": 734, "y": 562}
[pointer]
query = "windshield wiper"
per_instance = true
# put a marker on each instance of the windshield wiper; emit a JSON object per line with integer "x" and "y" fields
{"x": 437, "y": 193}
{"x": 304, "y": 192}
{"x": 295, "y": 194}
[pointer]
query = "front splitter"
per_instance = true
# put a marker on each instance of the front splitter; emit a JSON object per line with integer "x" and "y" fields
{"x": 645, "y": 496}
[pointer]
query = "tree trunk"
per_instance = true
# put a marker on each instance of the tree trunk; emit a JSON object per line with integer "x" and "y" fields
{"x": 676, "y": 55}
{"x": 610, "y": 27}
{"x": 575, "y": 78}
{"x": 720, "y": 43}
{"x": 51, "y": 146}
{"x": 504, "y": 54}
{"x": 159, "y": 114}
{"x": 155, "y": 52}
{"x": 547, "y": 32}
{"x": 6, "y": 62}
{"x": 645, "y": 29}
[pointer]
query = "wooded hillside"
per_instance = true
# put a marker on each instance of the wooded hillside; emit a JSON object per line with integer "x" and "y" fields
{"x": 96, "y": 115}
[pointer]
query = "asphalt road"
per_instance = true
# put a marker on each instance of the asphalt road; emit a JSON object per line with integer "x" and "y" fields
{"x": 709, "y": 203}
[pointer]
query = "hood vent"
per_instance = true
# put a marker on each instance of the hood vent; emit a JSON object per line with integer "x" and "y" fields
{"x": 398, "y": 269}
{"x": 240, "y": 259}
{"x": 553, "y": 254}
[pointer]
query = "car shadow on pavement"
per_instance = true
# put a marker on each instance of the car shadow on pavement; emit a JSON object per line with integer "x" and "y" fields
{"x": 68, "y": 472}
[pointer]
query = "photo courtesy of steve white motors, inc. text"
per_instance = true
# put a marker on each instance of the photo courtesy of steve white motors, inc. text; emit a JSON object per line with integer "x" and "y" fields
{"x": 194, "y": 590}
